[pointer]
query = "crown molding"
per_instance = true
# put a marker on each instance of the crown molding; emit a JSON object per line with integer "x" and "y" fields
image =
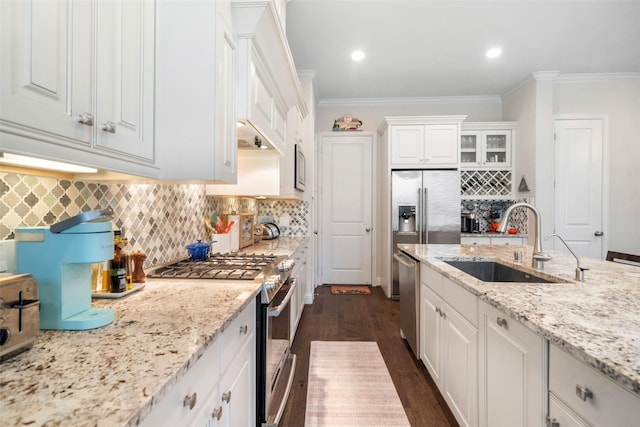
{"x": 596, "y": 77}
{"x": 412, "y": 100}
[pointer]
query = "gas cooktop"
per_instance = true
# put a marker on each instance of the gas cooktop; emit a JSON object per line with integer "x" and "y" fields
{"x": 231, "y": 266}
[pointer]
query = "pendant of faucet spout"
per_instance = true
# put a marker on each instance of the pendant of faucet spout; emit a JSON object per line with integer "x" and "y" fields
{"x": 539, "y": 257}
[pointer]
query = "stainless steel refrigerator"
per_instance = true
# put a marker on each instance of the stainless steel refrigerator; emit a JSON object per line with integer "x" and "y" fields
{"x": 425, "y": 208}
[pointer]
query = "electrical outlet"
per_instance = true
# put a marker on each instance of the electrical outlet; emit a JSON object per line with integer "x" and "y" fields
{"x": 285, "y": 220}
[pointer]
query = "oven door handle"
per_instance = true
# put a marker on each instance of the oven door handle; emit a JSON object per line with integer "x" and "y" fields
{"x": 279, "y": 309}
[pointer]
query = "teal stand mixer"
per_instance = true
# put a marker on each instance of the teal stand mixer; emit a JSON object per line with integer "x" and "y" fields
{"x": 59, "y": 258}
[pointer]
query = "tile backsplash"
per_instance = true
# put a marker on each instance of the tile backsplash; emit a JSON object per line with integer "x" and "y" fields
{"x": 158, "y": 219}
{"x": 482, "y": 210}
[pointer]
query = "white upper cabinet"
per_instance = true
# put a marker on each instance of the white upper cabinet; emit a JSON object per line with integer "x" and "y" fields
{"x": 78, "y": 82}
{"x": 422, "y": 142}
{"x": 195, "y": 114}
{"x": 486, "y": 145}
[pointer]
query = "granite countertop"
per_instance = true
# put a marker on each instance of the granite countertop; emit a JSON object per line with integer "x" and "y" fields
{"x": 597, "y": 320}
{"x": 112, "y": 376}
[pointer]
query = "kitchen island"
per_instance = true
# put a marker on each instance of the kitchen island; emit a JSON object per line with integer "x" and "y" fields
{"x": 115, "y": 375}
{"x": 597, "y": 321}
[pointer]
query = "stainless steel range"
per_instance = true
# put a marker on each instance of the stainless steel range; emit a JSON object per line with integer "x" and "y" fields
{"x": 275, "y": 365}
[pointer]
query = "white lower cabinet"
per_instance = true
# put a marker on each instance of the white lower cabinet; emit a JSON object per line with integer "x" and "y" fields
{"x": 299, "y": 275}
{"x": 449, "y": 343}
{"x": 219, "y": 389}
{"x": 581, "y": 396}
{"x": 511, "y": 364}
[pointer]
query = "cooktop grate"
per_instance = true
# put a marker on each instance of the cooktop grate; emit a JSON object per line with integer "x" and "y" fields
{"x": 217, "y": 266}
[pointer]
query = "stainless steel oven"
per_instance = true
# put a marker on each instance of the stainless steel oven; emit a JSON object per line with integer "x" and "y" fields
{"x": 275, "y": 356}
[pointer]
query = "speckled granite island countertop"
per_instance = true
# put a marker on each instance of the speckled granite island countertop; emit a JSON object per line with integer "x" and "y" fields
{"x": 598, "y": 320}
{"x": 111, "y": 376}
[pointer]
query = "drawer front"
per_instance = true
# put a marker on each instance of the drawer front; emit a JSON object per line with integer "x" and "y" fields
{"x": 461, "y": 300}
{"x": 563, "y": 416}
{"x": 235, "y": 335}
{"x": 431, "y": 278}
{"x": 604, "y": 403}
{"x": 185, "y": 399}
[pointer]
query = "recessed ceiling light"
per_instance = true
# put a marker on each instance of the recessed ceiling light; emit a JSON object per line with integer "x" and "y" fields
{"x": 494, "y": 52}
{"x": 358, "y": 55}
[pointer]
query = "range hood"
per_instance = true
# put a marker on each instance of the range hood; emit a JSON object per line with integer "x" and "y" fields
{"x": 249, "y": 138}
{"x": 267, "y": 84}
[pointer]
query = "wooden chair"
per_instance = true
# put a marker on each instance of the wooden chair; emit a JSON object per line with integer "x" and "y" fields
{"x": 623, "y": 258}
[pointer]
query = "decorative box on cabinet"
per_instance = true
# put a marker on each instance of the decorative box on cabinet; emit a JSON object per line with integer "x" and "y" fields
{"x": 581, "y": 396}
{"x": 449, "y": 342}
{"x": 421, "y": 142}
{"x": 511, "y": 377}
{"x": 58, "y": 57}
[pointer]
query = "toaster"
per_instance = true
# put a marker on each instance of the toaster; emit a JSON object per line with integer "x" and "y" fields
{"x": 270, "y": 231}
{"x": 19, "y": 314}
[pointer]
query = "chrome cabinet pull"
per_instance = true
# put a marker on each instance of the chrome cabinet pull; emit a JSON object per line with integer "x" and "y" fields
{"x": 583, "y": 393}
{"x": 190, "y": 400}
{"x": 552, "y": 422}
{"x": 598, "y": 233}
{"x": 109, "y": 127}
{"x": 244, "y": 329}
{"x": 502, "y": 322}
{"x": 217, "y": 413}
{"x": 84, "y": 118}
{"x": 226, "y": 396}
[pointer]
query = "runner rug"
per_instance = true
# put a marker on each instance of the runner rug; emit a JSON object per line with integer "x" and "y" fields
{"x": 350, "y": 290}
{"x": 349, "y": 385}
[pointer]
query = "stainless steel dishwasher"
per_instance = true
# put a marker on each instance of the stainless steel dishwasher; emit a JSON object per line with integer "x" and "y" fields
{"x": 409, "y": 288}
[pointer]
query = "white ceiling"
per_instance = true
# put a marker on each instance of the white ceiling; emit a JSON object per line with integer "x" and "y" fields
{"x": 434, "y": 48}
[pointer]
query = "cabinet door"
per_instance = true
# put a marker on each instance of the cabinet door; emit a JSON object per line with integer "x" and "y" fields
{"x": 125, "y": 78}
{"x": 469, "y": 148}
{"x": 496, "y": 148}
{"x": 441, "y": 145}
{"x": 431, "y": 332}
{"x": 46, "y": 72}
{"x": 407, "y": 145}
{"x": 564, "y": 417}
{"x": 511, "y": 374}
{"x": 459, "y": 360}
{"x": 237, "y": 388}
{"x": 225, "y": 124}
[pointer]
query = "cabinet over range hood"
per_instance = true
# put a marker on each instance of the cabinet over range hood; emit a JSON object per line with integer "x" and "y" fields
{"x": 267, "y": 85}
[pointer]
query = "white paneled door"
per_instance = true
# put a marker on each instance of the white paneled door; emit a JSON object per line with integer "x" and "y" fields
{"x": 346, "y": 209}
{"x": 579, "y": 184}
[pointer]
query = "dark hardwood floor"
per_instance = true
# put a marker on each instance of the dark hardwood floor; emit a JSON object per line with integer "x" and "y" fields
{"x": 365, "y": 318}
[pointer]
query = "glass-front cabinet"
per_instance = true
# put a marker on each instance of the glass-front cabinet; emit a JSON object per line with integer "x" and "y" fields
{"x": 490, "y": 149}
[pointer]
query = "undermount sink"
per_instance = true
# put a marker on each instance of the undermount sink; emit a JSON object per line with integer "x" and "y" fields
{"x": 491, "y": 271}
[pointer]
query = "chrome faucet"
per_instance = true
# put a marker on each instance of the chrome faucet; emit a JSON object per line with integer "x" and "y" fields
{"x": 579, "y": 270}
{"x": 539, "y": 257}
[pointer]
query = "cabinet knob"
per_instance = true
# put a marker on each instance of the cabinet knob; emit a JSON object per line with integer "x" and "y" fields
{"x": 217, "y": 413}
{"x": 502, "y": 322}
{"x": 583, "y": 393}
{"x": 109, "y": 127}
{"x": 190, "y": 400}
{"x": 226, "y": 396}
{"x": 244, "y": 329}
{"x": 84, "y": 118}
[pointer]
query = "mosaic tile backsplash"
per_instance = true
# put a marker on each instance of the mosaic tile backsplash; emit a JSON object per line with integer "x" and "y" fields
{"x": 482, "y": 209}
{"x": 158, "y": 219}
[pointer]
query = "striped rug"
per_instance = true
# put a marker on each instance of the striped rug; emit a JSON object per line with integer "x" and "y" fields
{"x": 349, "y": 385}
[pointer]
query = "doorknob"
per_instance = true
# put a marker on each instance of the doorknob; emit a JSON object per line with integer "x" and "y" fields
{"x": 367, "y": 230}
{"x": 598, "y": 233}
